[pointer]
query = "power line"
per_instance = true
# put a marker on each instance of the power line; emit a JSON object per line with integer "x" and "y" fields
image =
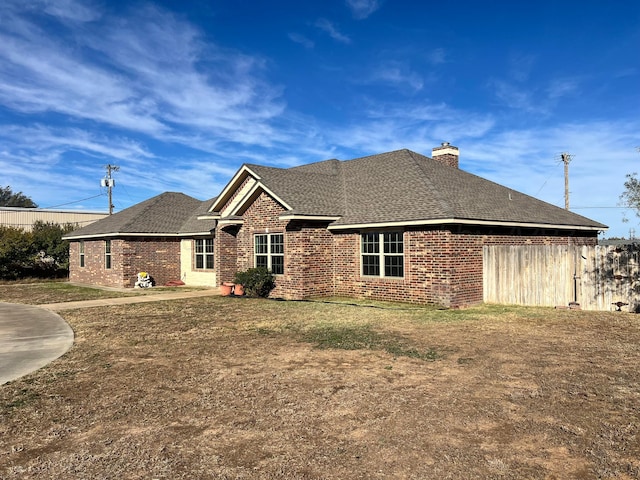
{"x": 586, "y": 208}
{"x": 75, "y": 201}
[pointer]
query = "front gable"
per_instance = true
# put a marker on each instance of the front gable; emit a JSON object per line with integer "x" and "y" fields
{"x": 243, "y": 189}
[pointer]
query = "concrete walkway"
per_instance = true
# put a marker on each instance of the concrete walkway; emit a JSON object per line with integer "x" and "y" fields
{"x": 142, "y": 298}
{"x": 33, "y": 336}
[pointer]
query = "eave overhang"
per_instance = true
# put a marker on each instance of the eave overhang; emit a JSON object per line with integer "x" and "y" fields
{"x": 464, "y": 221}
{"x": 318, "y": 218}
{"x": 119, "y": 234}
{"x": 230, "y": 221}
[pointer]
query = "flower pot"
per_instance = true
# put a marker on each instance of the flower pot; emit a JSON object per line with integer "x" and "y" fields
{"x": 226, "y": 288}
{"x": 238, "y": 290}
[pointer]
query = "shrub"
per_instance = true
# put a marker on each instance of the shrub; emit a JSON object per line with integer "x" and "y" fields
{"x": 257, "y": 282}
{"x": 38, "y": 253}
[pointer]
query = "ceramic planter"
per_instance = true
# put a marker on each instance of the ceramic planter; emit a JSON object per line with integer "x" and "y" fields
{"x": 226, "y": 288}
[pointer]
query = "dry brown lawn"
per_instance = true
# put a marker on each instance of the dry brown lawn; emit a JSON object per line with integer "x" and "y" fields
{"x": 224, "y": 388}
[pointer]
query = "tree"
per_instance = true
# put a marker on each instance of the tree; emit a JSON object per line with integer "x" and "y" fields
{"x": 15, "y": 252}
{"x": 39, "y": 253}
{"x": 51, "y": 252}
{"x": 631, "y": 195}
{"x": 10, "y": 199}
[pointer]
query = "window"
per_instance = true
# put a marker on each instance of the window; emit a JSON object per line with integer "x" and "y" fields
{"x": 269, "y": 252}
{"x": 107, "y": 254}
{"x": 204, "y": 253}
{"x": 82, "y": 253}
{"x": 382, "y": 254}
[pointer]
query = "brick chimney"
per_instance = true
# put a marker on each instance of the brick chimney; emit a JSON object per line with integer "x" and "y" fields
{"x": 447, "y": 154}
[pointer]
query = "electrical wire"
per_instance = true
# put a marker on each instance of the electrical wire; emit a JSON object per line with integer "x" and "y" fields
{"x": 76, "y": 201}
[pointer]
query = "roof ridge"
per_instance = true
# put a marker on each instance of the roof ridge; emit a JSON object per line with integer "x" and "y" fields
{"x": 446, "y": 206}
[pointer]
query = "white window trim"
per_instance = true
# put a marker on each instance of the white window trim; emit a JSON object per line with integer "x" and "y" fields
{"x": 204, "y": 254}
{"x": 269, "y": 255}
{"x": 381, "y": 255}
{"x": 108, "y": 259}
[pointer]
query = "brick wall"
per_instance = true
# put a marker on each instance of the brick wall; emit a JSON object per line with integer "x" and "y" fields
{"x": 225, "y": 253}
{"x": 307, "y": 250}
{"x": 94, "y": 271}
{"x": 159, "y": 257}
{"x": 308, "y": 256}
{"x": 262, "y": 217}
{"x": 443, "y": 266}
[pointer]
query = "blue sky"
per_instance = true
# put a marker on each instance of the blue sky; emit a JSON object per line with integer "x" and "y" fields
{"x": 180, "y": 94}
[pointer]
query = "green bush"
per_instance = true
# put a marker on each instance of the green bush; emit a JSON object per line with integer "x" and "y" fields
{"x": 257, "y": 282}
{"x": 40, "y": 253}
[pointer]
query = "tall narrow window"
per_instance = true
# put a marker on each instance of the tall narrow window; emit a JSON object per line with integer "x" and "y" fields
{"x": 107, "y": 254}
{"x": 269, "y": 252}
{"x": 82, "y": 253}
{"x": 204, "y": 253}
{"x": 382, "y": 254}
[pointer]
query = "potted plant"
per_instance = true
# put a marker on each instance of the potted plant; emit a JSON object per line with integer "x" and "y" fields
{"x": 226, "y": 288}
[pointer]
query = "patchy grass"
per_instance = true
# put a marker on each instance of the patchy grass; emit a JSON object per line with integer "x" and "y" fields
{"x": 363, "y": 337}
{"x": 249, "y": 388}
{"x": 59, "y": 292}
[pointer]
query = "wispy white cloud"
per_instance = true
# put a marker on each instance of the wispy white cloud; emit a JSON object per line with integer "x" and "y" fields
{"x": 528, "y": 160}
{"x": 521, "y": 66}
{"x": 541, "y": 100}
{"x": 149, "y": 91}
{"x": 516, "y": 96}
{"x": 63, "y": 10}
{"x": 516, "y": 90}
{"x": 142, "y": 73}
{"x": 437, "y": 56}
{"x": 420, "y": 127}
{"x": 301, "y": 39}
{"x": 399, "y": 75}
{"x": 329, "y": 28}
{"x": 43, "y": 140}
{"x": 561, "y": 87}
{"x": 361, "y": 9}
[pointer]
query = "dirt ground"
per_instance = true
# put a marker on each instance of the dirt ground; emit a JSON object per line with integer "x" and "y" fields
{"x": 223, "y": 388}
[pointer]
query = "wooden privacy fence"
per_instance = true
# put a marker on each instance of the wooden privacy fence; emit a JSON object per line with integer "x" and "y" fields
{"x": 550, "y": 275}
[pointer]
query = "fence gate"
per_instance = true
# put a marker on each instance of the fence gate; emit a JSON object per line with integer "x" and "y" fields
{"x": 598, "y": 278}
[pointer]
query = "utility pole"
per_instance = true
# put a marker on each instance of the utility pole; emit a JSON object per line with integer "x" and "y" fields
{"x": 110, "y": 183}
{"x": 566, "y": 158}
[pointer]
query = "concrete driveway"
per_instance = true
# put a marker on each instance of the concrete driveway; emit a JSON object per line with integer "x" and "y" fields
{"x": 30, "y": 338}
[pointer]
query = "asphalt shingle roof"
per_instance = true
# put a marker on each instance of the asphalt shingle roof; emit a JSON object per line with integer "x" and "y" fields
{"x": 399, "y": 186}
{"x": 405, "y": 186}
{"x": 168, "y": 213}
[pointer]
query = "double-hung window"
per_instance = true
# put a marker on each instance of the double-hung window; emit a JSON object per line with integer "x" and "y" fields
{"x": 107, "y": 254}
{"x": 82, "y": 253}
{"x": 382, "y": 254}
{"x": 269, "y": 252}
{"x": 204, "y": 253}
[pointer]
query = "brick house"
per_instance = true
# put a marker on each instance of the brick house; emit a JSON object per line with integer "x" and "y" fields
{"x": 394, "y": 226}
{"x": 159, "y": 236}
